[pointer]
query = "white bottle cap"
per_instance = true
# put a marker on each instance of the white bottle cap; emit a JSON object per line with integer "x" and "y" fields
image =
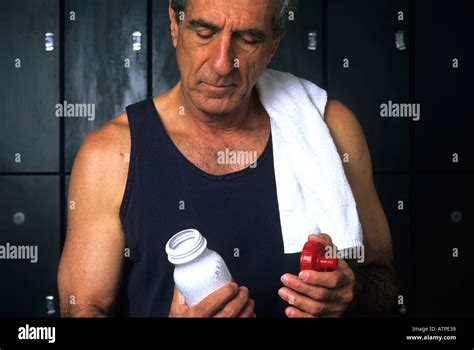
{"x": 185, "y": 246}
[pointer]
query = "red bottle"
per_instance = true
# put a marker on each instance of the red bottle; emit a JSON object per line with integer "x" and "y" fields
{"x": 313, "y": 258}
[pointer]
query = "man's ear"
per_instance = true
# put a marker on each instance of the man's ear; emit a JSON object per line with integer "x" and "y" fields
{"x": 174, "y": 26}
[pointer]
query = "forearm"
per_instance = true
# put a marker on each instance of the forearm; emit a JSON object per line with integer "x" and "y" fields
{"x": 375, "y": 291}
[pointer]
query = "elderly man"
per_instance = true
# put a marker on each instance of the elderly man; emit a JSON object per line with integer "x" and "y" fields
{"x": 154, "y": 171}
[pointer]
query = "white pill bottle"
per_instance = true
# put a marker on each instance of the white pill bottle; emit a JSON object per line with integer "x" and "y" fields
{"x": 198, "y": 271}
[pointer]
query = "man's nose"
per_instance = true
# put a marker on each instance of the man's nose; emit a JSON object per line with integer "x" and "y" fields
{"x": 222, "y": 57}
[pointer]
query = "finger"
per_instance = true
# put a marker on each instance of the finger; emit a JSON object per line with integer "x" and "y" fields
{"x": 323, "y": 238}
{"x": 293, "y": 312}
{"x": 342, "y": 264}
{"x": 236, "y": 305}
{"x": 216, "y": 301}
{"x": 328, "y": 279}
{"x": 248, "y": 310}
{"x": 315, "y": 292}
{"x": 178, "y": 305}
{"x": 176, "y": 295}
{"x": 179, "y": 299}
{"x": 306, "y": 304}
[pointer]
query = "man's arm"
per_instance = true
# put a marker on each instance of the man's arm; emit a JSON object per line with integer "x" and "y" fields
{"x": 376, "y": 286}
{"x": 91, "y": 263}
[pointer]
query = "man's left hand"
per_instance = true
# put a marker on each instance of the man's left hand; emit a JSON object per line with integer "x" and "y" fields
{"x": 318, "y": 294}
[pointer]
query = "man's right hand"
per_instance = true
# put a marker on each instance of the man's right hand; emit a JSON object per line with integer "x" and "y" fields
{"x": 228, "y": 301}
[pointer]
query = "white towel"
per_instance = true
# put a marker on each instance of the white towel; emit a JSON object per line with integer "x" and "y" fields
{"x": 313, "y": 193}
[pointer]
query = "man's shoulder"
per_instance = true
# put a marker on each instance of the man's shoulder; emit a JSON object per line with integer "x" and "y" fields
{"x": 115, "y": 134}
{"x": 348, "y": 137}
{"x": 109, "y": 138}
{"x": 103, "y": 159}
{"x": 114, "y": 129}
{"x": 337, "y": 114}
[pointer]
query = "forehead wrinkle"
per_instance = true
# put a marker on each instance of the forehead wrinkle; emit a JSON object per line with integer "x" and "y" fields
{"x": 219, "y": 19}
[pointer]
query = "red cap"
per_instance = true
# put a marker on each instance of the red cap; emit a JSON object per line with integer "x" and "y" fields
{"x": 313, "y": 258}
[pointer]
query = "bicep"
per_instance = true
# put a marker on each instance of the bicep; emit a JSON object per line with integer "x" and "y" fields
{"x": 91, "y": 262}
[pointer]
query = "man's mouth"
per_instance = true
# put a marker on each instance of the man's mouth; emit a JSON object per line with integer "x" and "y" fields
{"x": 219, "y": 86}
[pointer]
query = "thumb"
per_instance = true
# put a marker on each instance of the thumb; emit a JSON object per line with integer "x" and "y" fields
{"x": 178, "y": 301}
{"x": 322, "y": 238}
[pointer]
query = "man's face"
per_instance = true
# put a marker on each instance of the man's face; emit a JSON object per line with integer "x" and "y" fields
{"x": 222, "y": 47}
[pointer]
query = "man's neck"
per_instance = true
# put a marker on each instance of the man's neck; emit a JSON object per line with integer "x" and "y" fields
{"x": 219, "y": 126}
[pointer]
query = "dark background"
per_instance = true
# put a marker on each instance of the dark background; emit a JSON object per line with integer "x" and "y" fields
{"x": 426, "y": 196}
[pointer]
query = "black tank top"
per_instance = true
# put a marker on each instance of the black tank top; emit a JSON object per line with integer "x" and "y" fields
{"x": 237, "y": 213}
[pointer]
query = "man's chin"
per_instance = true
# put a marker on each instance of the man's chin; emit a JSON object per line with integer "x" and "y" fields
{"x": 217, "y": 111}
{"x": 217, "y": 106}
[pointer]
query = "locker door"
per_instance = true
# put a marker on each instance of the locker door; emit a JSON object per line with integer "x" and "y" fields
{"x": 69, "y": 205}
{"x": 29, "y": 89}
{"x": 393, "y": 191}
{"x": 25, "y": 221}
{"x": 105, "y": 63}
{"x": 165, "y": 70}
{"x": 300, "y": 52}
{"x": 444, "y": 85}
{"x": 444, "y": 222}
{"x": 368, "y": 70}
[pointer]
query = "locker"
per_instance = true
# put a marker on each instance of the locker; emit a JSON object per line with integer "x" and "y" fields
{"x": 29, "y": 90}
{"x": 67, "y": 205}
{"x": 29, "y": 218}
{"x": 105, "y": 63}
{"x": 301, "y": 50}
{"x": 393, "y": 191}
{"x": 443, "y": 135}
{"x": 165, "y": 70}
{"x": 368, "y": 68}
{"x": 444, "y": 222}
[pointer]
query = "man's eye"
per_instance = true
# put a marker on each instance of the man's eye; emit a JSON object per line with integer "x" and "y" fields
{"x": 249, "y": 41}
{"x": 205, "y": 35}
